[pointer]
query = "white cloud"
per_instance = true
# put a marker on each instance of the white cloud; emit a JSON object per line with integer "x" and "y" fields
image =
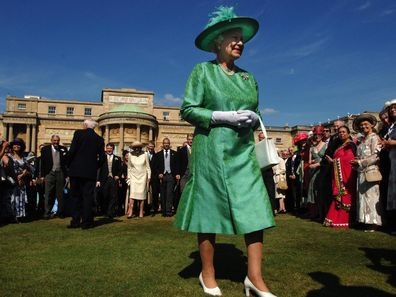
{"x": 268, "y": 111}
{"x": 90, "y": 75}
{"x": 388, "y": 12}
{"x": 172, "y": 99}
{"x": 364, "y": 6}
{"x": 308, "y": 49}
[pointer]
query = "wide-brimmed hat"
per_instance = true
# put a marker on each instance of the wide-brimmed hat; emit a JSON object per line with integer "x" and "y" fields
{"x": 20, "y": 142}
{"x": 389, "y": 103}
{"x": 136, "y": 144}
{"x": 299, "y": 137}
{"x": 224, "y": 19}
{"x": 361, "y": 118}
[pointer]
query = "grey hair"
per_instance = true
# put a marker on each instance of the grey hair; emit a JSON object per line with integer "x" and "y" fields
{"x": 217, "y": 42}
{"x": 54, "y": 135}
{"x": 340, "y": 121}
{"x": 91, "y": 124}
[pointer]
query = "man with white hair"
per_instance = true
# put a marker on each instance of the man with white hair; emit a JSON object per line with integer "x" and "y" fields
{"x": 85, "y": 156}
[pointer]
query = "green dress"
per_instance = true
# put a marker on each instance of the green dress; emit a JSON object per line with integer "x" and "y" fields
{"x": 225, "y": 193}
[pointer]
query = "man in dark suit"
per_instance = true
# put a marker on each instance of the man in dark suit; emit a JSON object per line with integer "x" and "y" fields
{"x": 108, "y": 178}
{"x": 167, "y": 170}
{"x": 154, "y": 182}
{"x": 53, "y": 170}
{"x": 85, "y": 157}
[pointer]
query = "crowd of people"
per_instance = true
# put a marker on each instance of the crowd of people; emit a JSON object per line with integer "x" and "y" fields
{"x": 324, "y": 177}
{"x": 138, "y": 183}
{"x": 338, "y": 179}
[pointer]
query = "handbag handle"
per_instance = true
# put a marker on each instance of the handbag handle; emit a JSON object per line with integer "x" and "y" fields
{"x": 263, "y": 128}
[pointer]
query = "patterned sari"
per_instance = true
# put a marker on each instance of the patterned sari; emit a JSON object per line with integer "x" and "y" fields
{"x": 344, "y": 188}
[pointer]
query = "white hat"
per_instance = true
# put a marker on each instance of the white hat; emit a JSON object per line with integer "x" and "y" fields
{"x": 389, "y": 103}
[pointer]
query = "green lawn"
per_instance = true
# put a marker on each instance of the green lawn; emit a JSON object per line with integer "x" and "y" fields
{"x": 149, "y": 257}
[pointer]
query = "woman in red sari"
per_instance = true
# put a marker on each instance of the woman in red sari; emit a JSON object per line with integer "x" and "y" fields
{"x": 344, "y": 183}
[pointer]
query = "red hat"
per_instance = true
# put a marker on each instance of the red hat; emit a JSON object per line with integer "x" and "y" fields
{"x": 300, "y": 136}
{"x": 318, "y": 130}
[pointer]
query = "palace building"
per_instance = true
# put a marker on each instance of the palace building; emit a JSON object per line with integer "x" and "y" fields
{"x": 123, "y": 115}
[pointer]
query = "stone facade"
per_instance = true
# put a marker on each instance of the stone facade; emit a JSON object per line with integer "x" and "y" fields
{"x": 124, "y": 115}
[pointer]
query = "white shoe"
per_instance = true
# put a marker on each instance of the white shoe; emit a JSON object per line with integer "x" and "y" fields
{"x": 249, "y": 286}
{"x": 211, "y": 291}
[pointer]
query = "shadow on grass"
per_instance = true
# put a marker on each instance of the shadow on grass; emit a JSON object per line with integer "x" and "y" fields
{"x": 333, "y": 288}
{"x": 230, "y": 263}
{"x": 105, "y": 221}
{"x": 379, "y": 257}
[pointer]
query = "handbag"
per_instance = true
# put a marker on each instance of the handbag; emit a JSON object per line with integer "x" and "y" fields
{"x": 282, "y": 184}
{"x": 372, "y": 174}
{"x": 266, "y": 153}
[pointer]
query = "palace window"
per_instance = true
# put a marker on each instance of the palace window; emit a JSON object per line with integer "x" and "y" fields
{"x": 51, "y": 109}
{"x": 87, "y": 111}
{"x": 69, "y": 110}
{"x": 166, "y": 115}
{"x": 21, "y": 106}
{"x": 278, "y": 140}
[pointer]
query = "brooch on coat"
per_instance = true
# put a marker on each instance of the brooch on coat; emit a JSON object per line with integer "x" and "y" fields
{"x": 244, "y": 76}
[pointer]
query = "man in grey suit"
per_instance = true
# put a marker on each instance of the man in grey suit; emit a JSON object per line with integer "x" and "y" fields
{"x": 85, "y": 157}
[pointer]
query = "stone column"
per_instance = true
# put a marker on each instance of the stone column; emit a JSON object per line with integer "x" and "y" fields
{"x": 34, "y": 137}
{"x": 138, "y": 137}
{"x": 5, "y": 128}
{"x": 10, "y": 132}
{"x": 107, "y": 134}
{"x": 28, "y": 137}
{"x": 151, "y": 133}
{"x": 121, "y": 138}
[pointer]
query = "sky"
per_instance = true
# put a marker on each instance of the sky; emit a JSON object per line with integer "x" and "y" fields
{"x": 314, "y": 60}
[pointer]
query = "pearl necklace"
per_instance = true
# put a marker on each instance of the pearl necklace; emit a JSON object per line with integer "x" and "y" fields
{"x": 226, "y": 70}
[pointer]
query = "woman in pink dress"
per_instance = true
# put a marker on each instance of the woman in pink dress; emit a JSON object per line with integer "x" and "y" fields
{"x": 344, "y": 183}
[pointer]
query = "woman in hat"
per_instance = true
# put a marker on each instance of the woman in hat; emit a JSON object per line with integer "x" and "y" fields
{"x": 369, "y": 208}
{"x": 22, "y": 169}
{"x": 225, "y": 193}
{"x": 389, "y": 143}
{"x": 316, "y": 153}
{"x": 344, "y": 182}
{"x": 139, "y": 174}
{"x": 296, "y": 170}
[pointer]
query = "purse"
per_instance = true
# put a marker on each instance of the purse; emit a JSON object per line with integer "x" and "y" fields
{"x": 372, "y": 174}
{"x": 282, "y": 184}
{"x": 266, "y": 153}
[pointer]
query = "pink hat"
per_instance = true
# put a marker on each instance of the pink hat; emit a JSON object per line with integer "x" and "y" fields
{"x": 299, "y": 137}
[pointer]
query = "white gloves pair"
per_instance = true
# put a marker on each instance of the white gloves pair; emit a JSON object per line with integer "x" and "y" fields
{"x": 240, "y": 118}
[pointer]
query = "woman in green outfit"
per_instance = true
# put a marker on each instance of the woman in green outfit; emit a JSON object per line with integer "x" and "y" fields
{"x": 225, "y": 193}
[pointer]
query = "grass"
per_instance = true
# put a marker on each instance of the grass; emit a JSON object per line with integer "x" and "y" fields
{"x": 149, "y": 257}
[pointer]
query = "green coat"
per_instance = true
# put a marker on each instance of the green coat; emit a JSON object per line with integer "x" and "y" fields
{"x": 225, "y": 192}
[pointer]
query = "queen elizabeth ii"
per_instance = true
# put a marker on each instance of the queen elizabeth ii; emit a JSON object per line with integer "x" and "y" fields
{"x": 225, "y": 193}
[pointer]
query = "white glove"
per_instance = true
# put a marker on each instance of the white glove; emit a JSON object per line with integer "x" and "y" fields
{"x": 234, "y": 118}
{"x": 253, "y": 117}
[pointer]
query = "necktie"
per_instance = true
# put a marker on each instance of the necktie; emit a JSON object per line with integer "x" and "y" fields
{"x": 166, "y": 153}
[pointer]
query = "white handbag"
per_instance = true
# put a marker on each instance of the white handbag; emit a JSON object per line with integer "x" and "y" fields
{"x": 266, "y": 153}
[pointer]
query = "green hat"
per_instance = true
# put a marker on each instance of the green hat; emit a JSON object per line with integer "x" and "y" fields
{"x": 224, "y": 19}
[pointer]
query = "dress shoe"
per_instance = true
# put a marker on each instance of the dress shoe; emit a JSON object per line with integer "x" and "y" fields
{"x": 73, "y": 226}
{"x": 249, "y": 286}
{"x": 210, "y": 291}
{"x": 87, "y": 226}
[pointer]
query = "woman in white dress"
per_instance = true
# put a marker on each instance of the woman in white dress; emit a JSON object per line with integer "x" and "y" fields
{"x": 280, "y": 182}
{"x": 369, "y": 210}
{"x": 139, "y": 174}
